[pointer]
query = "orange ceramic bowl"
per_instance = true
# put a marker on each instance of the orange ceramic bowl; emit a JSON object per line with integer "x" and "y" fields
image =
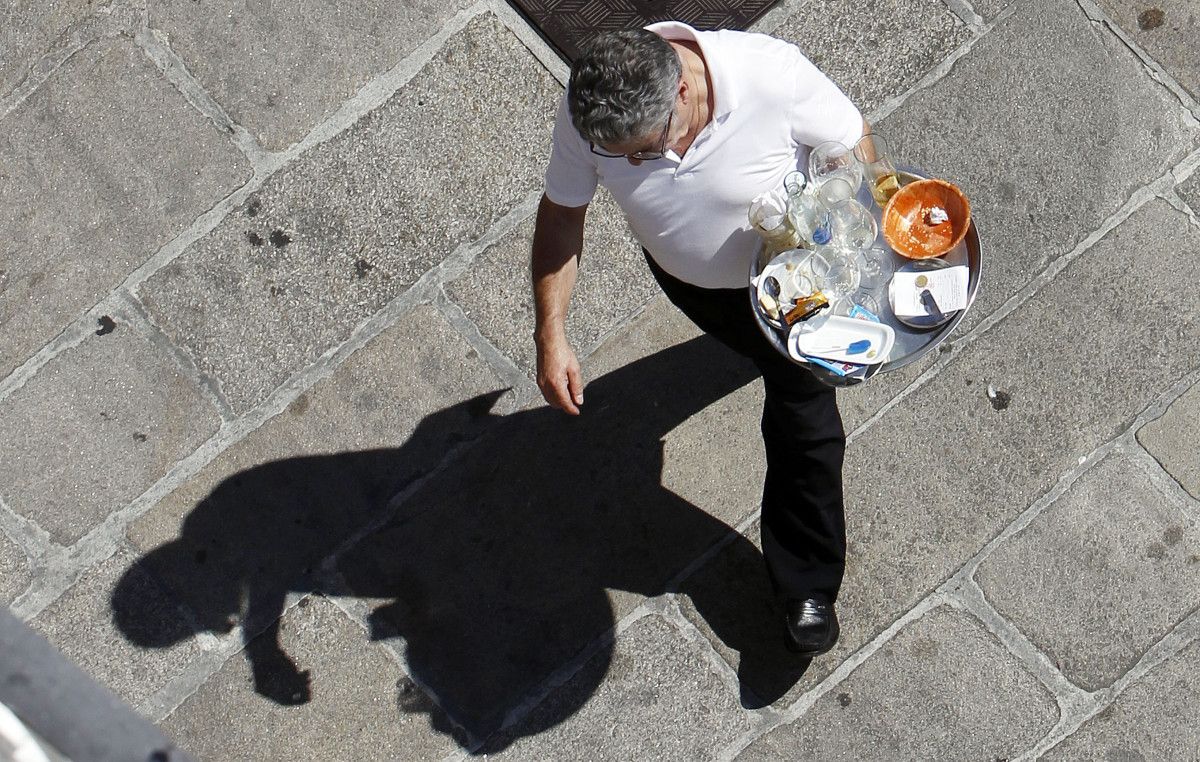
{"x": 907, "y": 226}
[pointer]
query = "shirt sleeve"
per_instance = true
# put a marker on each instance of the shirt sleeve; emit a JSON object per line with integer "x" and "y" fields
{"x": 820, "y": 110}
{"x": 571, "y": 177}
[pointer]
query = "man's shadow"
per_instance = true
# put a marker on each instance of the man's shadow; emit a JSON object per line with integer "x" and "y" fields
{"x": 497, "y": 569}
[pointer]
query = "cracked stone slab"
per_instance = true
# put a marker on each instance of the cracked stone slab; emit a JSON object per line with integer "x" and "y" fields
{"x": 947, "y": 469}
{"x": 99, "y": 168}
{"x": 15, "y": 574}
{"x": 264, "y": 513}
{"x": 363, "y": 706}
{"x": 134, "y": 664}
{"x": 613, "y": 284}
{"x": 1023, "y": 124}
{"x": 1170, "y": 439}
{"x": 1101, "y": 575}
{"x": 1167, "y": 30}
{"x": 280, "y": 69}
{"x": 942, "y": 689}
{"x": 28, "y": 28}
{"x": 555, "y": 526}
{"x": 874, "y": 53}
{"x": 350, "y": 225}
{"x": 659, "y": 698}
{"x": 1155, "y": 718}
{"x": 96, "y": 427}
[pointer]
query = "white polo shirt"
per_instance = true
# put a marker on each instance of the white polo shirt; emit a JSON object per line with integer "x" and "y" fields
{"x": 771, "y": 105}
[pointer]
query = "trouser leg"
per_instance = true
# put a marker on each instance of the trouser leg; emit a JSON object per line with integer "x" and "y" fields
{"x": 803, "y": 521}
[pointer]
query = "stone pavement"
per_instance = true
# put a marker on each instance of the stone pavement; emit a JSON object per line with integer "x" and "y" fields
{"x": 265, "y": 375}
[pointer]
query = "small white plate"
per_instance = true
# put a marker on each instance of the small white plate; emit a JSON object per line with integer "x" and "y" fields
{"x": 790, "y": 268}
{"x": 835, "y": 334}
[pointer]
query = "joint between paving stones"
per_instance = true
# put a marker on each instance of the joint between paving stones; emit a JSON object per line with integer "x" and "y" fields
{"x": 155, "y": 46}
{"x": 208, "y": 386}
{"x": 530, "y": 38}
{"x": 939, "y": 72}
{"x": 1182, "y": 635}
{"x": 1163, "y": 480}
{"x": 840, "y": 674}
{"x": 967, "y": 13}
{"x": 1098, "y": 17}
{"x": 966, "y": 594}
{"x": 519, "y": 383}
{"x": 100, "y": 24}
{"x": 725, "y": 672}
{"x": 377, "y": 91}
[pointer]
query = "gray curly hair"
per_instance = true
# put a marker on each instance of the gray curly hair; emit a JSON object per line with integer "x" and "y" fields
{"x": 623, "y": 86}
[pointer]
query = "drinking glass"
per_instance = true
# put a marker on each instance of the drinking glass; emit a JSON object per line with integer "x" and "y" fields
{"x": 874, "y": 157}
{"x": 876, "y": 267}
{"x": 843, "y": 277}
{"x": 850, "y": 223}
{"x": 833, "y": 159}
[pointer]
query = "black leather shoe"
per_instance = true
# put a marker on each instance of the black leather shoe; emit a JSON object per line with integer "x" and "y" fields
{"x": 811, "y": 626}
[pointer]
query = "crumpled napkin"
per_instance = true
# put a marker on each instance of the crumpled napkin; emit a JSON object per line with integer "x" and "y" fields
{"x": 768, "y": 210}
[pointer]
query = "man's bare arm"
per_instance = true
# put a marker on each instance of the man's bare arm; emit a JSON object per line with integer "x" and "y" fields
{"x": 557, "y": 247}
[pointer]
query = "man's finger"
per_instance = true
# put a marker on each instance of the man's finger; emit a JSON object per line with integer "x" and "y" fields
{"x": 557, "y": 393}
{"x": 575, "y": 384}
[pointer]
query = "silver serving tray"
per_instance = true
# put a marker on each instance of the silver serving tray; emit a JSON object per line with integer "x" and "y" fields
{"x": 911, "y": 343}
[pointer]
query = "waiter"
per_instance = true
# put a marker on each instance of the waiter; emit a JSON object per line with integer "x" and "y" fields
{"x": 684, "y": 128}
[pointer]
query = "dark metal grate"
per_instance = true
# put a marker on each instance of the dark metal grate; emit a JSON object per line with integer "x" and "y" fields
{"x": 567, "y": 23}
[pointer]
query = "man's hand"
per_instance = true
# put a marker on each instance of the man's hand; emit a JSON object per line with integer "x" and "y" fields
{"x": 558, "y": 375}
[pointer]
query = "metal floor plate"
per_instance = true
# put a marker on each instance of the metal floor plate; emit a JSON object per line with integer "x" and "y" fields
{"x": 565, "y": 24}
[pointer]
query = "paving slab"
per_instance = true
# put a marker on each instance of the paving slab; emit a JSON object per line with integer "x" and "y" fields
{"x": 1167, "y": 30}
{"x": 282, "y": 69}
{"x": 858, "y": 403}
{"x": 1101, "y": 575}
{"x": 363, "y": 704}
{"x": 1170, "y": 439}
{"x": 729, "y": 601}
{"x": 82, "y": 625}
{"x": 552, "y": 530}
{"x": 942, "y": 689}
{"x": 1154, "y": 719}
{"x": 102, "y": 165}
{"x": 353, "y": 223}
{"x": 1189, "y": 190}
{"x": 96, "y": 427}
{"x": 660, "y": 699}
{"x": 15, "y": 574}
{"x": 989, "y": 9}
{"x": 1023, "y": 125}
{"x": 28, "y": 28}
{"x": 943, "y": 472}
{"x": 613, "y": 284}
{"x": 878, "y": 52}
{"x": 260, "y": 517}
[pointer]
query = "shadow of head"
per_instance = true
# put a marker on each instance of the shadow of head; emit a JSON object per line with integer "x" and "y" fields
{"x": 497, "y": 568}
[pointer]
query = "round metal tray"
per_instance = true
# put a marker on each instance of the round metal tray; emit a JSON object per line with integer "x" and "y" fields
{"x": 911, "y": 343}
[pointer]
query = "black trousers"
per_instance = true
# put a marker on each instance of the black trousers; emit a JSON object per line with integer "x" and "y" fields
{"x": 803, "y": 516}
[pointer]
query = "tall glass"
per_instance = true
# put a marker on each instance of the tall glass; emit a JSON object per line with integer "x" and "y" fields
{"x": 851, "y": 224}
{"x": 833, "y": 159}
{"x": 874, "y": 157}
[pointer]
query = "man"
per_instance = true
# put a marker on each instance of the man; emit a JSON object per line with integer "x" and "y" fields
{"x": 684, "y": 128}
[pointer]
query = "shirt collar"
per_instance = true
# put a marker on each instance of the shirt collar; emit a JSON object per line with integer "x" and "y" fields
{"x": 723, "y": 87}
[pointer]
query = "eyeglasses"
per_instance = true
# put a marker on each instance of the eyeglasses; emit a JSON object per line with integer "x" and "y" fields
{"x": 640, "y": 155}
